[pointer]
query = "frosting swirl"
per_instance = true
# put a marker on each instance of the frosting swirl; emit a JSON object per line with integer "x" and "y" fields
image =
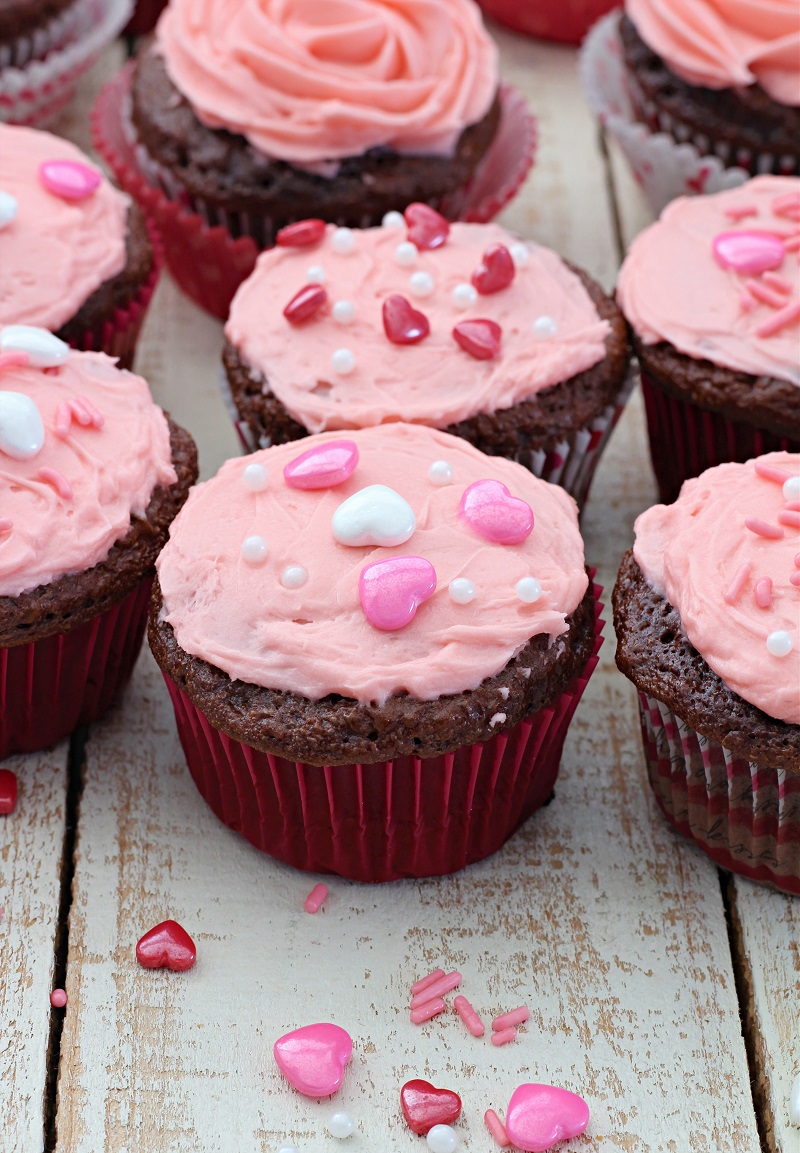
{"x": 313, "y": 80}
{"x": 726, "y": 43}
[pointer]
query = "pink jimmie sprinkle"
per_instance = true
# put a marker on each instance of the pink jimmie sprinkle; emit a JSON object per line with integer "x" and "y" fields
{"x": 778, "y": 282}
{"x": 63, "y": 420}
{"x": 763, "y": 593}
{"x": 787, "y": 205}
{"x": 762, "y": 528}
{"x": 741, "y": 212}
{"x": 770, "y": 472}
{"x": 437, "y": 989}
{"x": 316, "y": 898}
{"x": 59, "y": 482}
{"x": 515, "y": 1017}
{"x": 792, "y": 243}
{"x": 6, "y": 525}
{"x": 782, "y": 319}
{"x": 737, "y": 584}
{"x": 746, "y": 302}
{"x": 792, "y": 506}
{"x": 503, "y": 1036}
{"x": 425, "y": 982}
{"x": 58, "y": 998}
{"x": 14, "y": 359}
{"x": 426, "y": 1011}
{"x": 496, "y": 1128}
{"x": 469, "y": 1016}
{"x": 86, "y": 413}
{"x": 764, "y": 294}
{"x": 789, "y": 517}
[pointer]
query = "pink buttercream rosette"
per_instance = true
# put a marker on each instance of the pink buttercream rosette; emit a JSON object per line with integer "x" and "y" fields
{"x": 407, "y": 817}
{"x": 564, "y": 20}
{"x": 207, "y": 262}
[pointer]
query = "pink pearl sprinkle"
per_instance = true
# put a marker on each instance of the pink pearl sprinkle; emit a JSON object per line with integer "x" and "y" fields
{"x": 794, "y": 579}
{"x": 762, "y": 528}
{"x": 797, "y": 560}
{"x": 437, "y": 989}
{"x": 779, "y": 320}
{"x": 59, "y": 482}
{"x": 496, "y": 1128}
{"x": 426, "y": 1011}
{"x": 469, "y": 1016}
{"x": 770, "y": 472}
{"x": 58, "y": 998}
{"x": 503, "y": 1036}
{"x": 763, "y": 593}
{"x": 316, "y": 898}
{"x": 789, "y": 517}
{"x": 737, "y": 584}
{"x": 515, "y": 1017}
{"x": 424, "y": 982}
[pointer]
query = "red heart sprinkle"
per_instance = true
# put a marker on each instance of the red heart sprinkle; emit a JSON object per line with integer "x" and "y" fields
{"x": 166, "y": 946}
{"x": 426, "y": 227}
{"x": 8, "y": 791}
{"x": 402, "y": 323}
{"x": 302, "y": 234}
{"x": 305, "y": 303}
{"x": 495, "y": 271}
{"x": 480, "y": 338}
{"x": 424, "y": 1106}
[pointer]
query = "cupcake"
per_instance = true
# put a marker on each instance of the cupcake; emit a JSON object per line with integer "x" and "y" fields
{"x": 461, "y": 327}
{"x": 707, "y": 613}
{"x": 712, "y": 294}
{"x": 374, "y": 646}
{"x": 250, "y": 116}
{"x": 75, "y": 253}
{"x": 92, "y": 475}
{"x": 564, "y": 20}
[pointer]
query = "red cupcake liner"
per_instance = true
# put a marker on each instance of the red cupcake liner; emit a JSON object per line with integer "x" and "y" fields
{"x": 745, "y": 816}
{"x": 565, "y": 20}
{"x": 685, "y": 440}
{"x": 204, "y": 258}
{"x": 407, "y": 817}
{"x": 50, "y": 686}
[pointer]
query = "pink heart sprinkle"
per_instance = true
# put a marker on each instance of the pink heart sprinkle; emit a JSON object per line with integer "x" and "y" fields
{"x": 479, "y": 337}
{"x": 493, "y": 513}
{"x": 302, "y": 234}
{"x": 748, "y": 252}
{"x": 305, "y": 303}
{"x": 402, "y": 323}
{"x": 426, "y": 227}
{"x": 392, "y": 590}
{"x": 69, "y": 179}
{"x": 539, "y": 1116}
{"x": 324, "y": 466}
{"x": 495, "y": 271}
{"x": 313, "y": 1058}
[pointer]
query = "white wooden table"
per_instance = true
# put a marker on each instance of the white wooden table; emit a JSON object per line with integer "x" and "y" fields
{"x": 663, "y": 991}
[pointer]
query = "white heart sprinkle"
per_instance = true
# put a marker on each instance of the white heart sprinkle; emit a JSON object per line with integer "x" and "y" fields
{"x": 376, "y": 515}
{"x": 21, "y": 427}
{"x": 8, "y": 208}
{"x": 44, "y": 349}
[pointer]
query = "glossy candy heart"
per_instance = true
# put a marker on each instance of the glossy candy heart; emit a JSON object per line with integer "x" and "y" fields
{"x": 8, "y": 791}
{"x": 302, "y": 234}
{"x": 480, "y": 338}
{"x": 374, "y": 515}
{"x": 43, "y": 348}
{"x": 69, "y": 179}
{"x": 305, "y": 303}
{"x": 166, "y": 946}
{"x": 402, "y": 323}
{"x": 493, "y": 513}
{"x": 424, "y": 1106}
{"x": 392, "y": 590}
{"x": 21, "y": 427}
{"x": 8, "y": 208}
{"x": 748, "y": 252}
{"x": 426, "y": 227}
{"x": 539, "y": 1116}
{"x": 313, "y": 1058}
{"x": 495, "y": 271}
{"x": 322, "y": 467}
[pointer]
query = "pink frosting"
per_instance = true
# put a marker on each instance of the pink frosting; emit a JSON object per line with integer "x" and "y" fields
{"x": 314, "y": 80}
{"x": 434, "y": 381}
{"x": 693, "y": 550}
{"x": 726, "y": 43}
{"x": 107, "y": 473}
{"x": 672, "y": 287}
{"x": 315, "y": 639}
{"x": 55, "y": 253}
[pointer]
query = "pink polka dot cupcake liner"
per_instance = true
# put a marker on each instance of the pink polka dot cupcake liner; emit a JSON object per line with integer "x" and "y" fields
{"x": 565, "y": 20}
{"x": 203, "y": 256}
{"x": 744, "y": 815}
{"x": 685, "y": 440}
{"x": 51, "y": 686}
{"x": 407, "y": 817}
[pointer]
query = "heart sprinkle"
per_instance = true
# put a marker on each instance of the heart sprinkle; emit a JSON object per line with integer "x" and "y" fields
{"x": 302, "y": 234}
{"x": 493, "y": 513}
{"x": 402, "y": 323}
{"x": 43, "y": 348}
{"x": 391, "y": 591}
{"x": 539, "y": 1116}
{"x": 166, "y": 946}
{"x": 495, "y": 271}
{"x": 324, "y": 466}
{"x": 313, "y": 1058}
{"x": 480, "y": 338}
{"x": 69, "y": 179}
{"x": 8, "y": 208}
{"x": 748, "y": 252}
{"x": 8, "y": 791}
{"x": 426, "y": 227}
{"x": 21, "y": 427}
{"x": 375, "y": 515}
{"x": 425, "y": 1106}
{"x": 305, "y": 303}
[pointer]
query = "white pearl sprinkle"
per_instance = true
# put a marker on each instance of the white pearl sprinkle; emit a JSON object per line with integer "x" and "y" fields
{"x": 794, "y": 1102}
{"x": 440, "y": 473}
{"x": 420, "y": 284}
{"x": 344, "y": 312}
{"x": 779, "y": 643}
{"x": 254, "y": 549}
{"x": 315, "y": 274}
{"x": 528, "y": 590}
{"x": 442, "y": 1139}
{"x": 8, "y": 208}
{"x": 341, "y": 1125}
{"x": 461, "y": 590}
{"x": 520, "y": 254}
{"x": 544, "y": 326}
{"x": 791, "y": 488}
{"x": 464, "y": 295}
{"x": 343, "y": 361}
{"x": 394, "y": 220}
{"x": 255, "y": 477}
{"x": 343, "y": 241}
{"x": 287, "y": 1147}
{"x": 406, "y": 253}
{"x": 294, "y": 576}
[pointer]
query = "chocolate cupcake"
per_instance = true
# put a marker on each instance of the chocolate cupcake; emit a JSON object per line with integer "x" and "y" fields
{"x": 706, "y": 610}
{"x": 29, "y": 29}
{"x": 372, "y": 649}
{"x": 461, "y": 327}
{"x": 93, "y": 474}
{"x": 75, "y": 252}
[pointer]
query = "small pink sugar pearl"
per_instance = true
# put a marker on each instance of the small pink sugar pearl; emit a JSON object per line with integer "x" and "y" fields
{"x": 58, "y": 998}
